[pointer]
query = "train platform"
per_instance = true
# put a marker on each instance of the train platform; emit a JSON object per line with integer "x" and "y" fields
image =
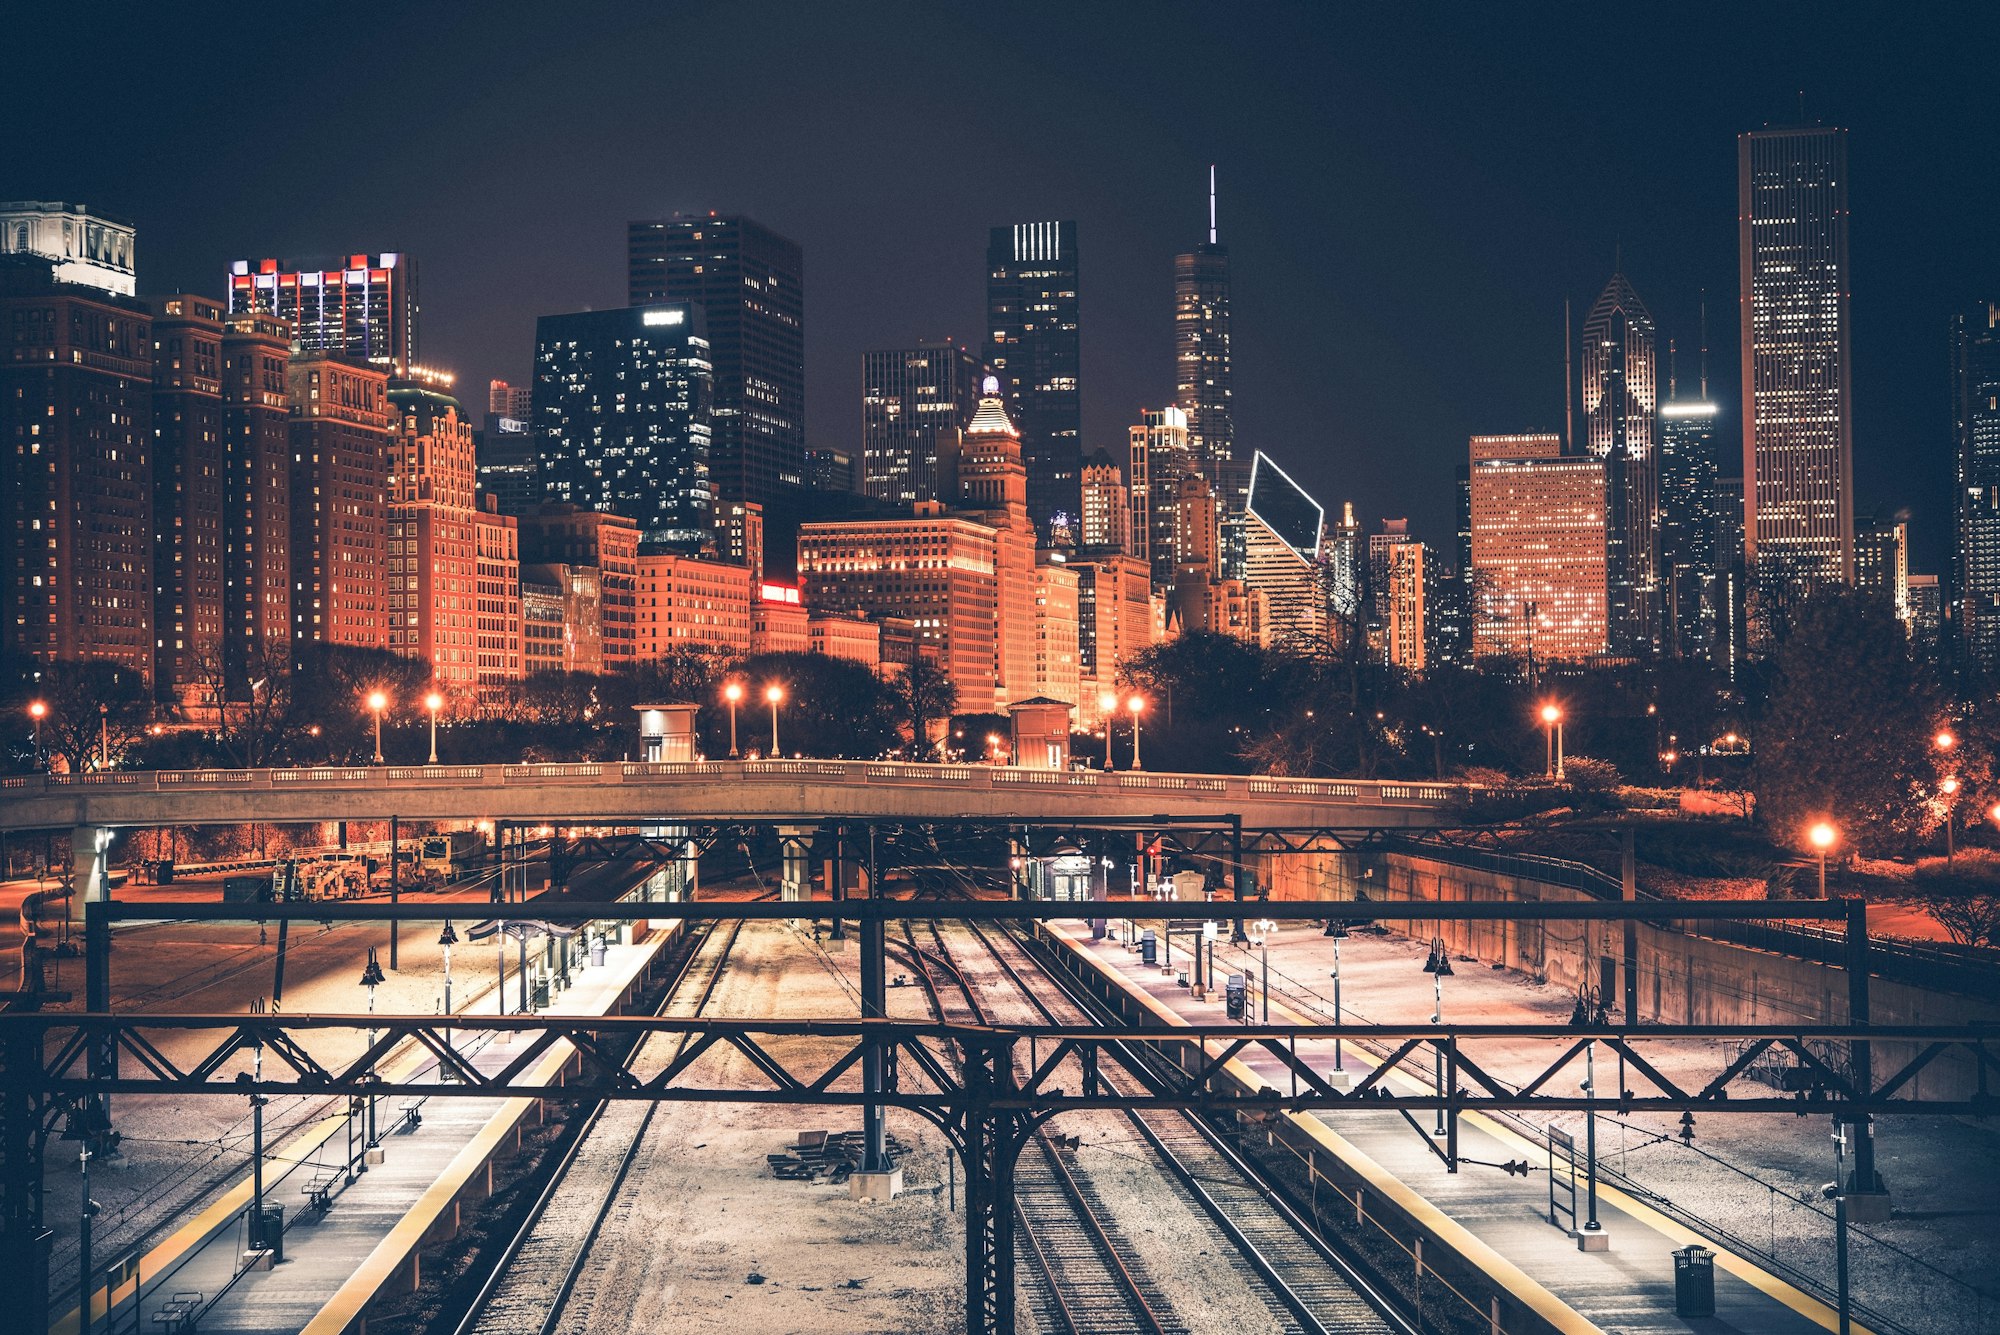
{"x": 340, "y": 1211}
{"x": 1626, "y": 1289}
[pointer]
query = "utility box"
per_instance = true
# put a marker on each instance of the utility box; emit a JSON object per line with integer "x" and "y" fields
{"x": 269, "y": 1232}
{"x": 1235, "y": 996}
{"x": 1694, "y": 1282}
{"x": 1149, "y": 947}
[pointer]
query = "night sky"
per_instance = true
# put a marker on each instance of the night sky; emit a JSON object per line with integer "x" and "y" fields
{"x": 1407, "y": 202}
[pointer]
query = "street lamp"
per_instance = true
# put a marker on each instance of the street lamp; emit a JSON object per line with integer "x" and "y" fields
{"x": 1589, "y": 1011}
{"x": 39, "y": 710}
{"x": 1337, "y": 930}
{"x": 1823, "y": 837}
{"x": 1263, "y": 938}
{"x": 1552, "y": 721}
{"x": 1949, "y": 787}
{"x": 1945, "y": 740}
{"x": 377, "y": 702}
{"x": 447, "y": 938}
{"x": 1438, "y": 966}
{"x": 372, "y": 978}
{"x": 1107, "y": 708}
{"x": 775, "y": 694}
{"x": 733, "y": 693}
{"x": 104, "y": 737}
{"x": 1137, "y": 705}
{"x": 433, "y": 702}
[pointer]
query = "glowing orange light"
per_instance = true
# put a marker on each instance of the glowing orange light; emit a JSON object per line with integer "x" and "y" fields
{"x": 1823, "y": 836}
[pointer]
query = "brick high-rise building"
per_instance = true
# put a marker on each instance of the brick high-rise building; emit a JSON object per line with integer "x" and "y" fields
{"x": 340, "y": 425}
{"x": 1107, "y": 507}
{"x": 1160, "y": 459}
{"x": 1114, "y": 601}
{"x": 751, "y": 283}
{"x": 76, "y": 471}
{"x": 189, "y": 487}
{"x": 257, "y": 524}
{"x": 592, "y": 540}
{"x": 934, "y": 569}
{"x": 434, "y": 593}
{"x": 502, "y": 653}
{"x": 1538, "y": 550}
{"x": 992, "y": 487}
{"x": 686, "y": 603}
{"x": 362, "y": 307}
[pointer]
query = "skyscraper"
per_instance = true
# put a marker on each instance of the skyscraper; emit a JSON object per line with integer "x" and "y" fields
{"x": 1201, "y": 348}
{"x": 76, "y": 481}
{"x": 750, "y": 283}
{"x": 914, "y": 402}
{"x": 1107, "y": 507}
{"x": 1160, "y": 459}
{"x": 1033, "y": 346}
{"x": 1798, "y": 412}
{"x": 1690, "y": 527}
{"x": 1282, "y": 535}
{"x": 1538, "y": 550}
{"x": 433, "y": 554}
{"x": 359, "y": 306}
{"x": 1620, "y": 405}
{"x": 1882, "y": 562}
{"x": 1975, "y": 384}
{"x": 257, "y": 527}
{"x": 189, "y": 483}
{"x": 340, "y": 422}
{"x": 622, "y": 417}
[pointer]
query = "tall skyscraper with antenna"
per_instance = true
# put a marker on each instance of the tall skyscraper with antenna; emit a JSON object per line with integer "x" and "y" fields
{"x": 1201, "y": 352}
{"x": 1620, "y": 413}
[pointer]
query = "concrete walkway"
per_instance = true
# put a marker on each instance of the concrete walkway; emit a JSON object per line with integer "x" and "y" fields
{"x": 1626, "y": 1290}
{"x": 322, "y": 1249}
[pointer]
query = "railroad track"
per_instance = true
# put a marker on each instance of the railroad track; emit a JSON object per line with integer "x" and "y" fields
{"x": 1312, "y": 1287}
{"x": 534, "y": 1280}
{"x": 1086, "y": 1277}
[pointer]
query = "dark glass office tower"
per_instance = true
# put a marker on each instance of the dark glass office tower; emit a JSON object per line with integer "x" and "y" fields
{"x": 914, "y": 403}
{"x": 1620, "y": 405}
{"x": 622, "y": 417}
{"x": 750, "y": 282}
{"x": 1201, "y": 349}
{"x": 1032, "y": 345}
{"x": 1975, "y": 384}
{"x": 1690, "y": 527}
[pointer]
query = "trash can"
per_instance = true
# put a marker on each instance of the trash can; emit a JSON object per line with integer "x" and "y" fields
{"x": 1235, "y": 994}
{"x": 1183, "y": 977}
{"x": 1149, "y": 947}
{"x": 1694, "y": 1282}
{"x": 596, "y": 951}
{"x": 164, "y": 873}
{"x": 270, "y": 1232}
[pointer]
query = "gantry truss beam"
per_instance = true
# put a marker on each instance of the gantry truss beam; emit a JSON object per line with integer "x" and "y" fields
{"x": 818, "y": 1062}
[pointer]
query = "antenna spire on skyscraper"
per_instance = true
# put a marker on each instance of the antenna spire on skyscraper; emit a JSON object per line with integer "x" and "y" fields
{"x": 1211, "y": 203}
{"x": 1704, "y": 345}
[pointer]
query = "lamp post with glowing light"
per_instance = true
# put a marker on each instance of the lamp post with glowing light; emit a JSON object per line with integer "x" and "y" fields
{"x": 775, "y": 694}
{"x": 433, "y": 702}
{"x": 1552, "y": 737}
{"x": 447, "y": 939}
{"x": 1107, "y": 708}
{"x": 1949, "y": 787}
{"x": 377, "y": 702}
{"x": 1137, "y": 706}
{"x": 372, "y": 977}
{"x": 1263, "y": 941}
{"x": 1822, "y": 836}
{"x": 733, "y": 693}
{"x": 39, "y": 710}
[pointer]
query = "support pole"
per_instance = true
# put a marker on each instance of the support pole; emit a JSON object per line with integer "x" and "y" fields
{"x": 24, "y": 1241}
{"x": 1860, "y": 1062}
{"x": 991, "y": 1141}
{"x": 1628, "y": 869}
{"x": 395, "y": 884}
{"x": 874, "y": 1000}
{"x": 837, "y": 873}
{"x": 93, "y": 888}
{"x": 1237, "y": 936}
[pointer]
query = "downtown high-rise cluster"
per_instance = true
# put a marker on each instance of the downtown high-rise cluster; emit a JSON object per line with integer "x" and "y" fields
{"x": 198, "y": 486}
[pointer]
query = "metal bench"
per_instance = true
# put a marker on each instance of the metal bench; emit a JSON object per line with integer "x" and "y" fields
{"x": 412, "y": 1115}
{"x": 319, "y": 1191}
{"x": 179, "y": 1312}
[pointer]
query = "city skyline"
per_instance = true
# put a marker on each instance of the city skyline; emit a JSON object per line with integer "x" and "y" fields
{"x": 1332, "y": 321}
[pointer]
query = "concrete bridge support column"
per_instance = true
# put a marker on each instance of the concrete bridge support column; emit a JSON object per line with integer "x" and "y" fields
{"x": 878, "y": 1177}
{"x": 795, "y": 879}
{"x": 90, "y": 876}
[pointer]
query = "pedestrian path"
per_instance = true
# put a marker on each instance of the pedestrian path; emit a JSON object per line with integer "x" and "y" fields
{"x": 1625, "y": 1290}
{"x": 363, "y": 1203}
